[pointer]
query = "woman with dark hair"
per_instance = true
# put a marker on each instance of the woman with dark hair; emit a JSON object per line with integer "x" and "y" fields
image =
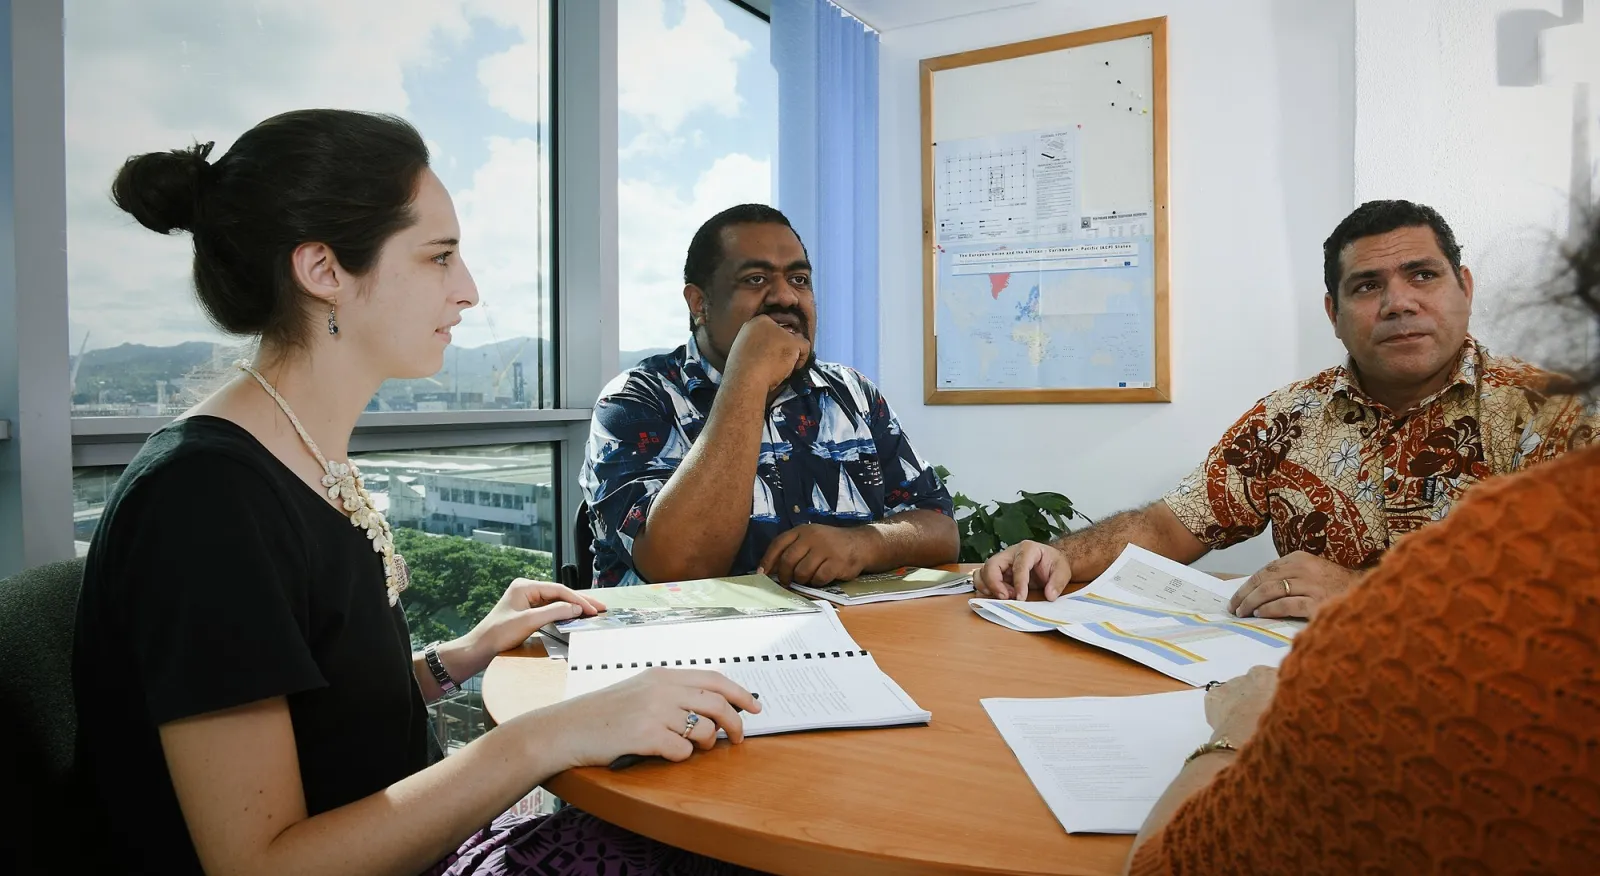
{"x": 247, "y": 697}
{"x": 1442, "y": 717}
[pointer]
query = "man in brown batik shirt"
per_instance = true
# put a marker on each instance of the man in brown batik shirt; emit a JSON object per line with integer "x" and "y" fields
{"x": 1345, "y": 463}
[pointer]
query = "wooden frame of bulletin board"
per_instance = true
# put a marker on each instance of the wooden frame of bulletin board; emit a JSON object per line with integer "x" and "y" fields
{"x": 1046, "y": 160}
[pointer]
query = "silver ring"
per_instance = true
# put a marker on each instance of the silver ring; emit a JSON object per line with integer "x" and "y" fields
{"x": 688, "y": 724}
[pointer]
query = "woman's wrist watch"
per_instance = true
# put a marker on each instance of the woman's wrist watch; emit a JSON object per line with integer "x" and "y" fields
{"x": 430, "y": 655}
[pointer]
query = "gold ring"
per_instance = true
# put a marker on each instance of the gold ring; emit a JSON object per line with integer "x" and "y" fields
{"x": 1286, "y": 588}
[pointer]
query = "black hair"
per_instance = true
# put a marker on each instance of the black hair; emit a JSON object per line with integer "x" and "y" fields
{"x": 1381, "y": 217}
{"x": 705, "y": 249}
{"x": 338, "y": 177}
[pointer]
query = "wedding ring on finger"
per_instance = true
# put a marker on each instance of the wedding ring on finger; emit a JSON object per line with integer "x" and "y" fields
{"x": 688, "y": 724}
{"x": 1286, "y": 591}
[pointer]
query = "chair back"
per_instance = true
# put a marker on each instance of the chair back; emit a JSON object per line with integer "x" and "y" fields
{"x": 38, "y": 614}
{"x": 579, "y": 575}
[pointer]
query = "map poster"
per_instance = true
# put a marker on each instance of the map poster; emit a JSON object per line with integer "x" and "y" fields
{"x": 1045, "y": 272}
{"x": 1033, "y": 291}
{"x": 1064, "y": 313}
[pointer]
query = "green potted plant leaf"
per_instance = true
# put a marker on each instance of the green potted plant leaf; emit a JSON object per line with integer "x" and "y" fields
{"x": 1040, "y": 517}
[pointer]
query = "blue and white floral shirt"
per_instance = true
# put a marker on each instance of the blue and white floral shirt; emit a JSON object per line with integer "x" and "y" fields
{"x": 832, "y": 452}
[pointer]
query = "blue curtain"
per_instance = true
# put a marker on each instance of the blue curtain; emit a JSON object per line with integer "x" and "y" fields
{"x": 827, "y": 65}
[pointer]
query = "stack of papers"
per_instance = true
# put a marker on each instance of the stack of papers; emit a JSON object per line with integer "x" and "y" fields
{"x": 1163, "y": 614}
{"x": 904, "y": 583}
{"x": 1101, "y": 763}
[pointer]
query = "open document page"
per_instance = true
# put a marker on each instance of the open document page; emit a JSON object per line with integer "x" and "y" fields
{"x": 705, "y": 599}
{"x": 1168, "y": 616}
{"x": 904, "y": 583}
{"x": 1101, "y": 763}
{"x": 810, "y": 673}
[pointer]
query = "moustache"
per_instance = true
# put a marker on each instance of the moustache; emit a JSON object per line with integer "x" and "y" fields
{"x": 1386, "y": 330}
{"x": 794, "y": 313}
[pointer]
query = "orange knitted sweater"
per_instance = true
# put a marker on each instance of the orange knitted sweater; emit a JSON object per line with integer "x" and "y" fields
{"x": 1444, "y": 717}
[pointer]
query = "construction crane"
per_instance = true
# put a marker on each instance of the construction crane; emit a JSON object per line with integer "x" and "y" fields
{"x": 505, "y": 368}
{"x": 72, "y": 379}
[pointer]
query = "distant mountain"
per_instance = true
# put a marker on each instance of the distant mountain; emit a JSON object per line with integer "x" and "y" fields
{"x": 628, "y": 358}
{"x": 129, "y": 373}
{"x": 487, "y": 371}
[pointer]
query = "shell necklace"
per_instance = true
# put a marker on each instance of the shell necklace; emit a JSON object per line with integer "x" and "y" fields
{"x": 344, "y": 484}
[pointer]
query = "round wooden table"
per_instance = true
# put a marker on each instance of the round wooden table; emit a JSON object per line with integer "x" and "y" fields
{"x": 948, "y": 797}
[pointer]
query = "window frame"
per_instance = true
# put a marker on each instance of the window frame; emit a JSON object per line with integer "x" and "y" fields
{"x": 41, "y": 443}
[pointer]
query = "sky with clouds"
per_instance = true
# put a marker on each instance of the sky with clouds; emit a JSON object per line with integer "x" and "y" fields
{"x": 697, "y": 133}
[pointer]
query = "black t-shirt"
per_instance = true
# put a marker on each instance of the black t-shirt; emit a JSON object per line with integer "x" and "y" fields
{"x": 217, "y": 578}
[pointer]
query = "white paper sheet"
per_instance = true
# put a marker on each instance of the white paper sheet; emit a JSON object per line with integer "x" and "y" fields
{"x": 808, "y": 670}
{"x": 679, "y": 644}
{"x": 1136, "y": 583}
{"x": 1163, "y": 614}
{"x": 1101, "y": 763}
{"x": 815, "y": 694}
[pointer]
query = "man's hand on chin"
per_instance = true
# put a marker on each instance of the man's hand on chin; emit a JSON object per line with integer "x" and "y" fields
{"x": 817, "y": 554}
{"x": 1297, "y": 585}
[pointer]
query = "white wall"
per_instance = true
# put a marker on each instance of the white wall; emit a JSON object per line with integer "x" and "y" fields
{"x": 1261, "y": 127}
{"x": 1434, "y": 125}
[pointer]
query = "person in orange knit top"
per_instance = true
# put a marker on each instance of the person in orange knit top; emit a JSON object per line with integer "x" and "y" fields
{"x": 1441, "y": 717}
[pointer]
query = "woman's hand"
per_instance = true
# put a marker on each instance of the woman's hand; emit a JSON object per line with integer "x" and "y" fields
{"x": 647, "y": 714}
{"x": 1233, "y": 708}
{"x": 522, "y": 610}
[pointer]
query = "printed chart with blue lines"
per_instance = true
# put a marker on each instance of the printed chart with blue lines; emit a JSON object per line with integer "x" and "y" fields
{"x": 1165, "y": 615}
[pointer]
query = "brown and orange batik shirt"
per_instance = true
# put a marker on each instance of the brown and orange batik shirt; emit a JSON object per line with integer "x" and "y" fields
{"x": 1341, "y": 476}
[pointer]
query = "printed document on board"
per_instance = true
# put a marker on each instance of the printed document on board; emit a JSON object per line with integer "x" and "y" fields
{"x": 1019, "y": 186}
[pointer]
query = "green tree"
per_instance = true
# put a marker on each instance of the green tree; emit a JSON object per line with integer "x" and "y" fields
{"x": 455, "y": 581}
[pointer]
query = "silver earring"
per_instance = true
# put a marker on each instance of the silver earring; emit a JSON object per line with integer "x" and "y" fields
{"x": 333, "y": 322}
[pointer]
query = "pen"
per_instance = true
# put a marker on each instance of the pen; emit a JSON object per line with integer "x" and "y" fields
{"x": 628, "y": 760}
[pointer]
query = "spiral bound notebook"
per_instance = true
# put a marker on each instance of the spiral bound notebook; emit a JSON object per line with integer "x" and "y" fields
{"x": 810, "y": 673}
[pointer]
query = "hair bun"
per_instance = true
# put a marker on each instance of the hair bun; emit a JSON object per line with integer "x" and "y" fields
{"x": 162, "y": 189}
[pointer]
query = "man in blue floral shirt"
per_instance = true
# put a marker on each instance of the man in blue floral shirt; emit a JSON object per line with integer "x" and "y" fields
{"x": 739, "y": 452}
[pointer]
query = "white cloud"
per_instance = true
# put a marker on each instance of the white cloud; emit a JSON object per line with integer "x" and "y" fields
{"x": 527, "y": 16}
{"x": 665, "y": 74}
{"x": 160, "y": 74}
{"x": 652, "y": 144}
{"x": 514, "y": 82}
{"x": 655, "y": 224}
{"x": 503, "y": 239}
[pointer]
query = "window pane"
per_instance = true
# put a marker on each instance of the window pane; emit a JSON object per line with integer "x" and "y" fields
{"x": 694, "y": 137}
{"x": 461, "y": 545}
{"x": 461, "y": 555}
{"x": 472, "y": 76}
{"x": 90, "y": 487}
